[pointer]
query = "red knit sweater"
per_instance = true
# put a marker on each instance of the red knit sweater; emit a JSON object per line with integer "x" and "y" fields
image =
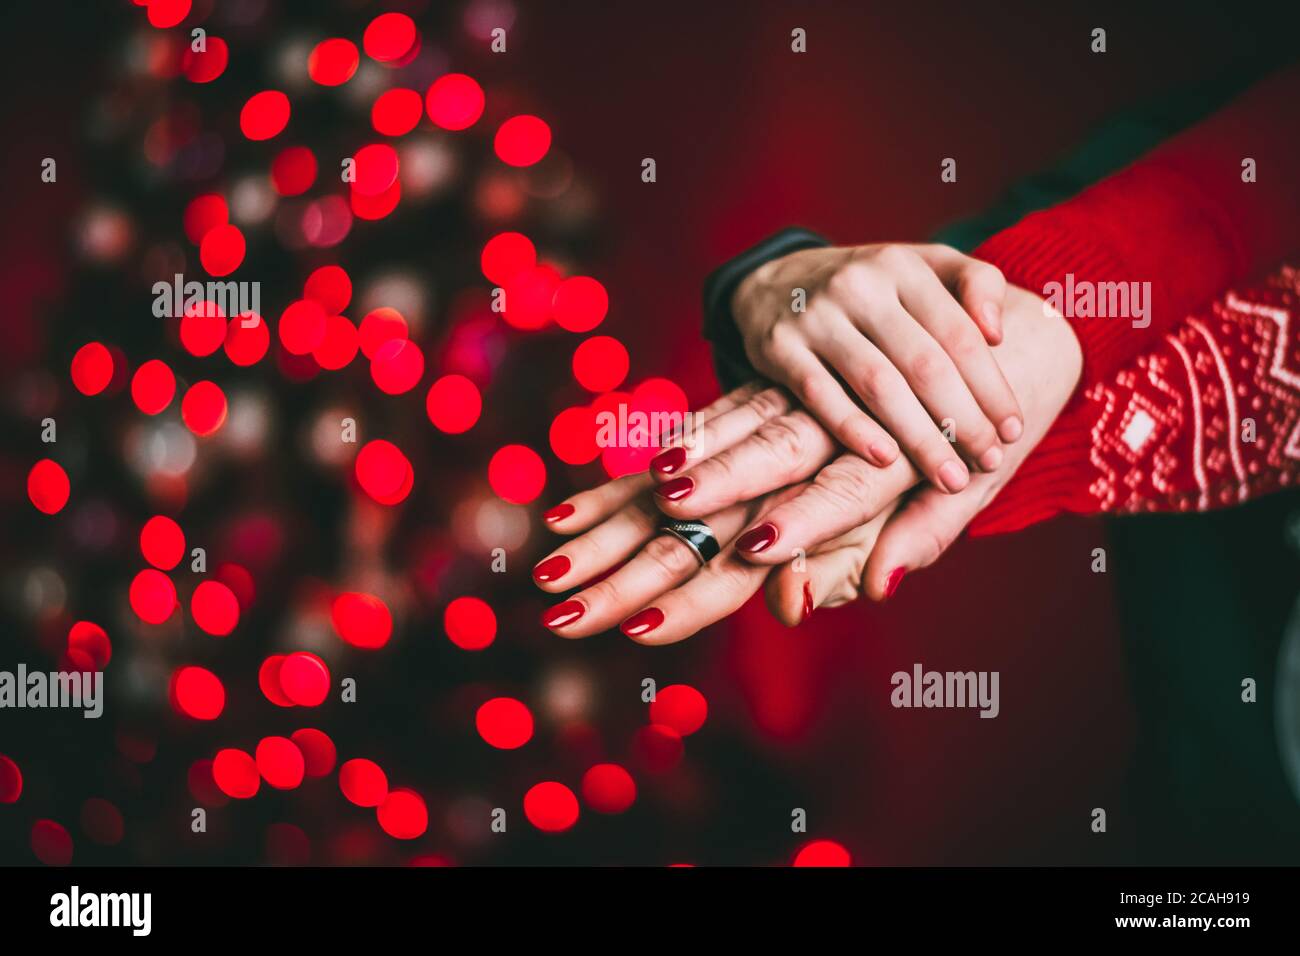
{"x": 1201, "y": 408}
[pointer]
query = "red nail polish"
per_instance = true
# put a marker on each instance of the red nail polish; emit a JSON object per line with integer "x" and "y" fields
{"x": 807, "y": 600}
{"x": 563, "y": 614}
{"x": 757, "y": 539}
{"x": 558, "y": 512}
{"x": 552, "y": 568}
{"x": 669, "y": 461}
{"x": 895, "y": 578}
{"x": 643, "y": 622}
{"x": 676, "y": 489}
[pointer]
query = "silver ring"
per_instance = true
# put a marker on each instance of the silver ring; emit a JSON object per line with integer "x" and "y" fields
{"x": 697, "y": 536}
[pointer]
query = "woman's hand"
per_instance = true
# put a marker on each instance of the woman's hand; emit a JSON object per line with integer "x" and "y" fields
{"x": 628, "y": 572}
{"x": 887, "y": 320}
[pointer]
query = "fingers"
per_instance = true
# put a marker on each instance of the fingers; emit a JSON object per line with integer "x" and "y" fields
{"x": 720, "y": 432}
{"x": 589, "y": 555}
{"x": 979, "y": 286}
{"x": 784, "y": 450}
{"x": 661, "y": 564}
{"x": 925, "y": 297}
{"x": 918, "y": 533}
{"x": 830, "y": 577}
{"x": 846, "y": 493}
{"x": 583, "y": 510}
{"x": 935, "y": 387}
{"x": 826, "y": 399}
{"x": 889, "y": 395}
{"x": 720, "y": 589}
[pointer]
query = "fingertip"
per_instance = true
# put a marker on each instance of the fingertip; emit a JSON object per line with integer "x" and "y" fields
{"x": 558, "y": 515}
{"x": 757, "y": 540}
{"x": 882, "y": 577}
{"x": 892, "y": 582}
{"x": 563, "y": 615}
{"x": 676, "y": 489}
{"x": 951, "y": 477}
{"x": 667, "y": 463}
{"x": 991, "y": 459}
{"x": 882, "y": 454}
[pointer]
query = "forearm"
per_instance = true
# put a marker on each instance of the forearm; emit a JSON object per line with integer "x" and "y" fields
{"x": 1205, "y": 417}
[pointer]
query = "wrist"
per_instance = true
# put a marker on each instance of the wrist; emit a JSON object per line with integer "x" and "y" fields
{"x": 1041, "y": 357}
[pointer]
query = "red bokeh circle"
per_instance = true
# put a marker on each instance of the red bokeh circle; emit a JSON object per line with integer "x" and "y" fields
{"x": 504, "y": 723}
{"x": 551, "y": 807}
{"x": 470, "y": 622}
{"x": 92, "y": 368}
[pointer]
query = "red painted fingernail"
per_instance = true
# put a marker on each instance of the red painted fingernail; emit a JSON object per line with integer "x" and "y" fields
{"x": 643, "y": 622}
{"x": 895, "y": 579}
{"x": 676, "y": 489}
{"x": 757, "y": 539}
{"x": 669, "y": 461}
{"x": 558, "y": 512}
{"x": 563, "y": 614}
{"x": 807, "y": 600}
{"x": 552, "y": 568}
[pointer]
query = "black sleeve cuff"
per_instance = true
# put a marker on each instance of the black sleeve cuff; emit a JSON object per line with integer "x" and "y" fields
{"x": 719, "y": 325}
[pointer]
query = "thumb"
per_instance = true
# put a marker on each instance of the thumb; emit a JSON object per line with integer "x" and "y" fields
{"x": 830, "y": 577}
{"x": 917, "y": 534}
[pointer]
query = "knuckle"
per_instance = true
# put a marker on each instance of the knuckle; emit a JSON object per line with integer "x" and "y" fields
{"x": 962, "y": 343}
{"x": 770, "y": 351}
{"x": 777, "y": 340}
{"x": 849, "y": 485}
{"x": 781, "y": 439}
{"x": 926, "y": 369}
{"x": 982, "y": 273}
{"x": 603, "y": 594}
{"x": 810, "y": 387}
{"x": 737, "y": 397}
{"x": 670, "y": 555}
{"x": 716, "y": 472}
{"x": 897, "y": 257}
{"x": 858, "y": 282}
{"x": 767, "y": 403}
{"x": 873, "y": 383}
{"x": 732, "y": 574}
